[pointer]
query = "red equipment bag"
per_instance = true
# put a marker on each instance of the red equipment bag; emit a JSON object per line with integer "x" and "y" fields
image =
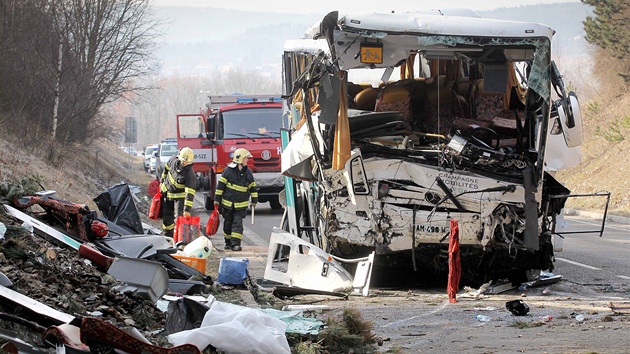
{"x": 186, "y": 229}
{"x": 155, "y": 211}
{"x": 154, "y": 187}
{"x": 213, "y": 222}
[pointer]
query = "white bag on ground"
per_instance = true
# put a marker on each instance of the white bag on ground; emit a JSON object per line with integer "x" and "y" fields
{"x": 236, "y": 329}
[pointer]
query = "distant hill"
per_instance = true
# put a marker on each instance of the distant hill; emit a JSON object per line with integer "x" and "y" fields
{"x": 201, "y": 40}
{"x": 565, "y": 18}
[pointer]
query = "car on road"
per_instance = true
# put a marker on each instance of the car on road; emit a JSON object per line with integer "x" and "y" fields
{"x": 163, "y": 153}
{"x": 148, "y": 155}
{"x": 130, "y": 150}
{"x": 152, "y": 164}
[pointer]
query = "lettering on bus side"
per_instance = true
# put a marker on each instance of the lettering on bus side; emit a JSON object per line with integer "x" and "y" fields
{"x": 459, "y": 183}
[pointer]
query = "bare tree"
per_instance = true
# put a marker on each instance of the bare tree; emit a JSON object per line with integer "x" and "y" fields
{"x": 156, "y": 109}
{"x": 63, "y": 60}
{"x": 112, "y": 43}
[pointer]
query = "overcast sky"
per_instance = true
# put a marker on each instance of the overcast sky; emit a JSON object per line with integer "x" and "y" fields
{"x": 325, "y": 6}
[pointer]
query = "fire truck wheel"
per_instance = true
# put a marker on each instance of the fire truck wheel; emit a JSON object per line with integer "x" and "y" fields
{"x": 205, "y": 183}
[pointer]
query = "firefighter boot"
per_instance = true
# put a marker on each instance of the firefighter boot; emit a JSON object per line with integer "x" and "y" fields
{"x": 228, "y": 244}
{"x": 236, "y": 244}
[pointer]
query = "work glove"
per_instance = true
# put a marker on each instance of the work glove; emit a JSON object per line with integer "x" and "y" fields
{"x": 187, "y": 215}
{"x": 253, "y": 205}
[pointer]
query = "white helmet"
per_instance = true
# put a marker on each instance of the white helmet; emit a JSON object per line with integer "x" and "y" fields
{"x": 240, "y": 154}
{"x": 186, "y": 155}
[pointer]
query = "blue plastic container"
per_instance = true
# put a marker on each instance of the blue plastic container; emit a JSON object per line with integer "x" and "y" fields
{"x": 232, "y": 270}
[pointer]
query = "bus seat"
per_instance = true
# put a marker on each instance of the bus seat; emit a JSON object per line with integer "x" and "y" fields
{"x": 395, "y": 98}
{"x": 366, "y": 99}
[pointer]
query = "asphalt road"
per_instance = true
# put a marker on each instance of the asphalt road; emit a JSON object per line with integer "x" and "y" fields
{"x": 589, "y": 259}
{"x": 256, "y": 234}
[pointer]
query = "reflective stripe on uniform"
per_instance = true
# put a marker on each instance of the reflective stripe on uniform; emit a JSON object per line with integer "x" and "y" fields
{"x": 236, "y": 187}
{"x": 241, "y": 205}
{"x": 173, "y": 195}
{"x": 174, "y": 182}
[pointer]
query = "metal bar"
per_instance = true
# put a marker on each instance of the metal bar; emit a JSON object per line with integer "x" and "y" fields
{"x": 605, "y": 214}
{"x": 575, "y": 232}
{"x": 599, "y": 194}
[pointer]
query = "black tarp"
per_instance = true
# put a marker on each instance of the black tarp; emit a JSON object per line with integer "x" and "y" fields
{"x": 184, "y": 314}
{"x": 117, "y": 205}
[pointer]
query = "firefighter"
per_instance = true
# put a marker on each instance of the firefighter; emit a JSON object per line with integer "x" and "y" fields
{"x": 178, "y": 183}
{"x": 236, "y": 186}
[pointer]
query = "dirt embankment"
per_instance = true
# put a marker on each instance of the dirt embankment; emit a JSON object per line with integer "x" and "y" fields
{"x": 77, "y": 173}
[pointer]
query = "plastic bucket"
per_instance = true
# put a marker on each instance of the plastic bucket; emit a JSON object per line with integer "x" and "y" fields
{"x": 232, "y": 270}
{"x": 201, "y": 247}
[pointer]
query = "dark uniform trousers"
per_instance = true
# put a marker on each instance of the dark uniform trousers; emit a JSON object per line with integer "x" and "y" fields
{"x": 233, "y": 222}
{"x": 169, "y": 216}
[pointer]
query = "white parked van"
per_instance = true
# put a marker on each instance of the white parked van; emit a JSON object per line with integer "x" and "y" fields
{"x": 149, "y": 165}
{"x": 163, "y": 153}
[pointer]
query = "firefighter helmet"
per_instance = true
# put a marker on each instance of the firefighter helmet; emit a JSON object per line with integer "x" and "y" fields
{"x": 240, "y": 154}
{"x": 186, "y": 155}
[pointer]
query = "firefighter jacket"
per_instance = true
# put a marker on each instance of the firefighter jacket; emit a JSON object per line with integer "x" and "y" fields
{"x": 235, "y": 187}
{"x": 179, "y": 182}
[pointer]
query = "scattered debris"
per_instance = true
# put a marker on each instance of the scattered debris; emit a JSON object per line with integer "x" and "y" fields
{"x": 476, "y": 293}
{"x": 517, "y": 307}
{"x": 232, "y": 328}
{"x": 52, "y": 288}
{"x": 487, "y": 308}
{"x": 295, "y": 262}
{"x": 620, "y": 308}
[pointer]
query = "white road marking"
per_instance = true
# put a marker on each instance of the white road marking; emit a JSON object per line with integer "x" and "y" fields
{"x": 577, "y": 263}
{"x": 624, "y": 277}
{"x": 577, "y": 219}
{"x": 438, "y": 309}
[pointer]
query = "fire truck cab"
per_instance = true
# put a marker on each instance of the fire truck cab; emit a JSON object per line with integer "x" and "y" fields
{"x": 226, "y": 124}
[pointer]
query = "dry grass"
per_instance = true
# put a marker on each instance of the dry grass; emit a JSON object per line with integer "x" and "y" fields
{"x": 77, "y": 173}
{"x": 604, "y": 165}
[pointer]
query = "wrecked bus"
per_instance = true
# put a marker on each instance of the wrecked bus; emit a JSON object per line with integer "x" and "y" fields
{"x": 402, "y": 122}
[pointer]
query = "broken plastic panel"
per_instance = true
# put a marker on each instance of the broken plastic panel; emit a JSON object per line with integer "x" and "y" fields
{"x": 296, "y": 262}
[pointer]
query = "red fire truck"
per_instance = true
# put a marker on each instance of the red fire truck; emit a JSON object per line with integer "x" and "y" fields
{"x": 229, "y": 123}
